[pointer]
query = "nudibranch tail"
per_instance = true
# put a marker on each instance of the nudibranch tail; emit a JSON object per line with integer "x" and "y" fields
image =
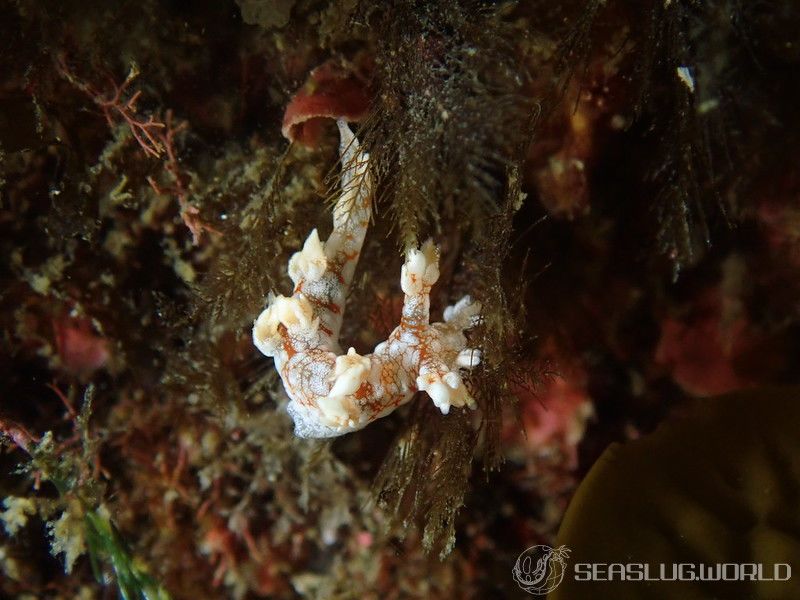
{"x": 332, "y": 393}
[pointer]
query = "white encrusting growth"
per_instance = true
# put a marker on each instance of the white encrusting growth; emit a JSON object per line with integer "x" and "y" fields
{"x": 332, "y": 393}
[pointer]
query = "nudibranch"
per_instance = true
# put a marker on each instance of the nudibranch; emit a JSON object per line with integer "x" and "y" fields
{"x": 331, "y": 392}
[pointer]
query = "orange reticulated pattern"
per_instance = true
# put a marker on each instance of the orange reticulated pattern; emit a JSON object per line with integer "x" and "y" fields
{"x": 331, "y": 392}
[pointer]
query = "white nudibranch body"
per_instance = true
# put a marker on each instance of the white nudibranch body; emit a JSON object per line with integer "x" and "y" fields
{"x": 330, "y": 392}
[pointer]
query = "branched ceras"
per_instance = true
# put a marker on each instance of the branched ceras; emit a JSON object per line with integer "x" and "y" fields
{"x": 332, "y": 393}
